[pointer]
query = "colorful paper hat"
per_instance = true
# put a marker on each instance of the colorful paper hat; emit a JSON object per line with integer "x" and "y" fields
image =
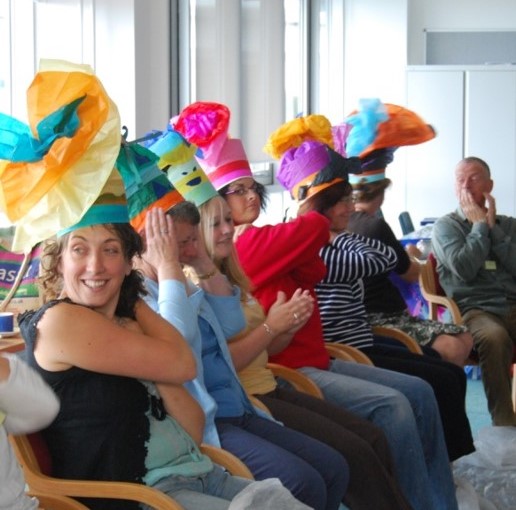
{"x": 230, "y": 165}
{"x": 54, "y": 169}
{"x": 204, "y": 124}
{"x": 373, "y": 166}
{"x": 312, "y": 167}
{"x": 378, "y": 126}
{"x": 109, "y": 207}
{"x": 177, "y": 158}
{"x": 146, "y": 186}
{"x": 293, "y": 133}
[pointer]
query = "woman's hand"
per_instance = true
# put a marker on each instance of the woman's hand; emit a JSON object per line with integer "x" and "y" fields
{"x": 290, "y": 316}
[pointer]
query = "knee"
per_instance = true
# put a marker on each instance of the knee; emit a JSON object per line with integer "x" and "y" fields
{"x": 306, "y": 484}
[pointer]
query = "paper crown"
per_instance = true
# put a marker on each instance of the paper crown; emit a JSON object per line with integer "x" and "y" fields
{"x": 109, "y": 207}
{"x": 379, "y": 126}
{"x": 146, "y": 186}
{"x": 293, "y": 133}
{"x": 312, "y": 167}
{"x": 231, "y": 164}
{"x": 53, "y": 170}
{"x": 177, "y": 159}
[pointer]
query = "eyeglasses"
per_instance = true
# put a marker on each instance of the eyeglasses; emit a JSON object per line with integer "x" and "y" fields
{"x": 242, "y": 191}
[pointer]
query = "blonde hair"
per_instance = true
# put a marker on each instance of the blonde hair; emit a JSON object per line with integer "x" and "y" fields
{"x": 229, "y": 266}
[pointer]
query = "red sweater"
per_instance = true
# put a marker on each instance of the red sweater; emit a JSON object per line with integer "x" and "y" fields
{"x": 284, "y": 257}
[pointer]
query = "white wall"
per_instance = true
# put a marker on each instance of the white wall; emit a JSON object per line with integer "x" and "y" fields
{"x": 455, "y": 15}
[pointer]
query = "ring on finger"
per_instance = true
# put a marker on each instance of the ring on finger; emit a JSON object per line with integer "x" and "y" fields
{"x": 296, "y": 317}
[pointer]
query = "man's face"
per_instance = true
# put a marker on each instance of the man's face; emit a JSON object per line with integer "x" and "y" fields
{"x": 472, "y": 178}
{"x": 187, "y": 240}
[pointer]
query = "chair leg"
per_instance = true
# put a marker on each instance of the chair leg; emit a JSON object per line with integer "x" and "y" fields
{"x": 514, "y": 387}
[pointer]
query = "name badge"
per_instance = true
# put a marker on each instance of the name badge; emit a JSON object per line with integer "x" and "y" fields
{"x": 490, "y": 265}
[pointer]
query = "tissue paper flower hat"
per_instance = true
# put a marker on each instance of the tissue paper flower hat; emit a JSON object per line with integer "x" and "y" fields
{"x": 54, "y": 169}
{"x": 222, "y": 158}
{"x": 177, "y": 159}
{"x": 377, "y": 130}
{"x": 308, "y": 162}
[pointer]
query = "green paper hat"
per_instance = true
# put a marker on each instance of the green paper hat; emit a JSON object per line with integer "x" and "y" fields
{"x": 146, "y": 186}
{"x": 177, "y": 158}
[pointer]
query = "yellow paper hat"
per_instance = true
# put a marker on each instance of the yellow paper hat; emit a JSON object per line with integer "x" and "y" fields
{"x": 71, "y": 143}
{"x": 293, "y": 133}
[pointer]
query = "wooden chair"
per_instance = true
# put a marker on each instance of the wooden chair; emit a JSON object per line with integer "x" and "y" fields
{"x": 57, "y": 493}
{"x": 347, "y": 353}
{"x": 434, "y": 294}
{"x": 297, "y": 379}
{"x": 400, "y": 336}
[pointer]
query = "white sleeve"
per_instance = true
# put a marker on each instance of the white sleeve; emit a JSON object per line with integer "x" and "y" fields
{"x": 27, "y": 401}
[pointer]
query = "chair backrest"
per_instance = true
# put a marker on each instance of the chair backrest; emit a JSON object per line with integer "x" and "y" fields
{"x": 434, "y": 293}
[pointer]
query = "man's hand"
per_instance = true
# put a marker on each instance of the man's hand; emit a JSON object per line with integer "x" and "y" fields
{"x": 473, "y": 212}
{"x": 491, "y": 210}
{"x": 162, "y": 251}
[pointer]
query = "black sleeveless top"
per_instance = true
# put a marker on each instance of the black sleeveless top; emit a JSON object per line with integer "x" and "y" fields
{"x": 101, "y": 430}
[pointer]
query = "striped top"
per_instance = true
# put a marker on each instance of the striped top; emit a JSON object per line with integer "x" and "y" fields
{"x": 340, "y": 295}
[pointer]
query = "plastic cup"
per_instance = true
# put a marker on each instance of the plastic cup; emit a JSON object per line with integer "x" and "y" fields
{"x": 6, "y": 322}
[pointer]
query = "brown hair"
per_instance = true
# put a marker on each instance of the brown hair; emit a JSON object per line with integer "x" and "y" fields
{"x": 51, "y": 281}
{"x": 327, "y": 198}
{"x": 364, "y": 191}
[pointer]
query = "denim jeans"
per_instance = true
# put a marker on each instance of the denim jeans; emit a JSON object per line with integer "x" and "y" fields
{"x": 214, "y": 490}
{"x": 405, "y": 408}
{"x": 312, "y": 471}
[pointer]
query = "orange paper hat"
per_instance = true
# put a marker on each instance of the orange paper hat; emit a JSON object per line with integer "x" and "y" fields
{"x": 377, "y": 126}
{"x": 53, "y": 188}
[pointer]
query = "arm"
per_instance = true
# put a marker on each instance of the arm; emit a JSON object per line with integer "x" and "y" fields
{"x": 351, "y": 257}
{"x": 274, "y": 250}
{"x": 461, "y": 247}
{"x": 73, "y": 335}
{"x": 27, "y": 401}
{"x": 276, "y": 332}
{"x": 184, "y": 409}
{"x": 503, "y": 243}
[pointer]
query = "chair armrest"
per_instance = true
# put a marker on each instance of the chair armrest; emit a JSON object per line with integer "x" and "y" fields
{"x": 297, "y": 379}
{"x": 53, "y": 502}
{"x": 347, "y": 353}
{"x": 42, "y": 485}
{"x": 399, "y": 335}
{"x": 227, "y": 460}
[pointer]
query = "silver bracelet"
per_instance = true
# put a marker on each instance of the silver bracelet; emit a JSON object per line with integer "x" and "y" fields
{"x": 268, "y": 329}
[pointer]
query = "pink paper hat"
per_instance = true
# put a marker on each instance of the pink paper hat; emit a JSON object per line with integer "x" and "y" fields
{"x": 230, "y": 165}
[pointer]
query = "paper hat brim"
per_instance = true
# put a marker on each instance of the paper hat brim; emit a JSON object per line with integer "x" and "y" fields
{"x": 109, "y": 207}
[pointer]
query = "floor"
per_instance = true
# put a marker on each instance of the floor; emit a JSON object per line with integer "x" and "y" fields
{"x": 476, "y": 404}
{"x": 486, "y": 486}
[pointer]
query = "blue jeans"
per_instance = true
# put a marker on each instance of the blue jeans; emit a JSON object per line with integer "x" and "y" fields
{"x": 214, "y": 490}
{"x": 312, "y": 471}
{"x": 405, "y": 408}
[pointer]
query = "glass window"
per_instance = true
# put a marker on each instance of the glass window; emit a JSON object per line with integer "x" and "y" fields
{"x": 295, "y": 59}
{"x": 5, "y": 58}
